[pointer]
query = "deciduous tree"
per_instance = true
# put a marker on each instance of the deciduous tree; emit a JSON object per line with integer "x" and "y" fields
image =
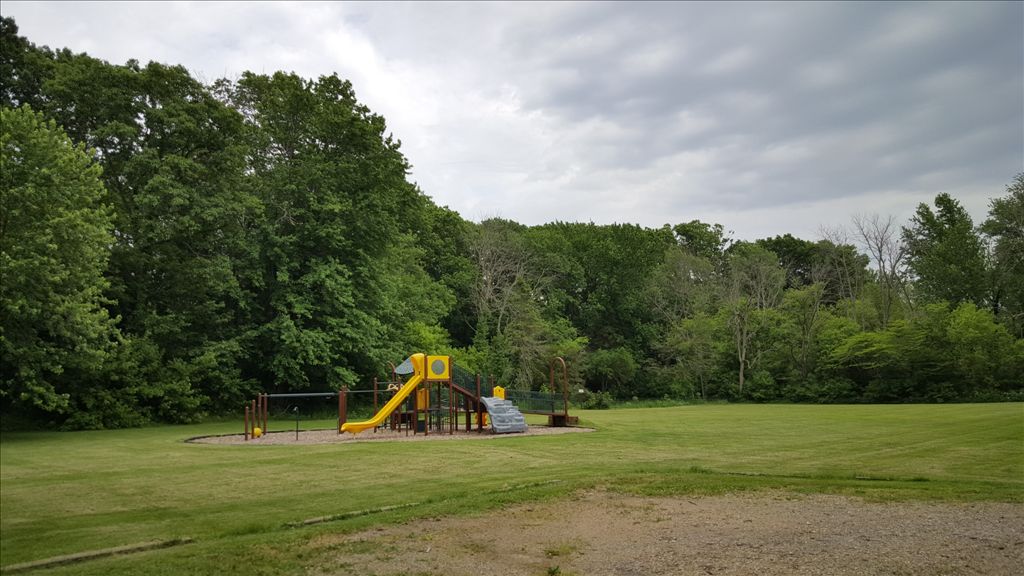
{"x": 55, "y": 237}
{"x": 946, "y": 254}
{"x": 1005, "y": 228}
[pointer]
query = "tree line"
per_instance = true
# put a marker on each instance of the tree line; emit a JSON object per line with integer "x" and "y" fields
{"x": 169, "y": 247}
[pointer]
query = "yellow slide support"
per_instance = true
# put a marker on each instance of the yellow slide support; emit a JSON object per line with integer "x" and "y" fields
{"x": 403, "y": 392}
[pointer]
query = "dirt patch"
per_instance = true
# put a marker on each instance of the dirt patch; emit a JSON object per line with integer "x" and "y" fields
{"x": 331, "y": 436}
{"x": 599, "y": 534}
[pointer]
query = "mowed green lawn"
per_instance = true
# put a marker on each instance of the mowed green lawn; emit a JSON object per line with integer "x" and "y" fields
{"x": 69, "y": 492}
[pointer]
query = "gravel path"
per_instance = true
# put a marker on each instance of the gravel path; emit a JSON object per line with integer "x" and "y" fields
{"x": 331, "y": 436}
{"x": 602, "y": 534}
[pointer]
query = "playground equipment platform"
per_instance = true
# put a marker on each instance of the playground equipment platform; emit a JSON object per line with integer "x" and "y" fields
{"x": 430, "y": 394}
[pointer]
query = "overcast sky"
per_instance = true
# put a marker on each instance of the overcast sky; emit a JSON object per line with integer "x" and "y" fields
{"x": 766, "y": 118}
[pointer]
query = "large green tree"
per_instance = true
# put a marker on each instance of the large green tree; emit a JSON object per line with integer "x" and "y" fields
{"x": 335, "y": 204}
{"x": 445, "y": 238}
{"x": 755, "y": 286}
{"x": 799, "y": 258}
{"x": 519, "y": 302}
{"x": 1005, "y": 227}
{"x": 842, "y": 270}
{"x": 604, "y": 292}
{"x": 939, "y": 354}
{"x": 183, "y": 251}
{"x": 181, "y": 266}
{"x": 693, "y": 349}
{"x": 946, "y": 253}
{"x": 23, "y": 68}
{"x": 682, "y": 286}
{"x": 55, "y": 237}
{"x": 804, "y": 312}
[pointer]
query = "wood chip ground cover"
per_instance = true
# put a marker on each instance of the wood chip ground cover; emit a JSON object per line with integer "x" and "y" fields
{"x": 599, "y": 533}
{"x": 332, "y": 436}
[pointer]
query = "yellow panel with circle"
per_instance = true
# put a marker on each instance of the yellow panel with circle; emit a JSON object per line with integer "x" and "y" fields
{"x": 438, "y": 367}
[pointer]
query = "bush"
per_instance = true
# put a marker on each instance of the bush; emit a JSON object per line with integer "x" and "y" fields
{"x": 598, "y": 401}
{"x": 761, "y": 387}
{"x": 611, "y": 369}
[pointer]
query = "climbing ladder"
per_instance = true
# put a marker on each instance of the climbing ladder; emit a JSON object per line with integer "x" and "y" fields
{"x": 505, "y": 417}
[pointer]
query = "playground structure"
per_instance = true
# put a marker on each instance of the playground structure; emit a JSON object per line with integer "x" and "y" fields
{"x": 435, "y": 396}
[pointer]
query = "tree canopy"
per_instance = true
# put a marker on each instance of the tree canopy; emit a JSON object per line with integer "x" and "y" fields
{"x": 55, "y": 234}
{"x": 171, "y": 247}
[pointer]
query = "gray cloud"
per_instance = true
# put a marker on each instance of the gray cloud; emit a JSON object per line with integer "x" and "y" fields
{"x": 769, "y": 118}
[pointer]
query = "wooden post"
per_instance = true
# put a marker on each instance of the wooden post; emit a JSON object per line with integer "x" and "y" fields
{"x": 266, "y": 413}
{"x": 342, "y": 406}
{"x": 451, "y": 407}
{"x": 479, "y": 413}
{"x": 375, "y": 395}
{"x": 246, "y": 430}
{"x": 565, "y": 390}
{"x": 254, "y": 421}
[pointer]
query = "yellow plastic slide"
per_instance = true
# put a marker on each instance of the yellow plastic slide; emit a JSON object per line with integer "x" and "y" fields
{"x": 403, "y": 392}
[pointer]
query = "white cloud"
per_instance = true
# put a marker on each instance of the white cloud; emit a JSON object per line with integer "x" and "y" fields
{"x": 766, "y": 120}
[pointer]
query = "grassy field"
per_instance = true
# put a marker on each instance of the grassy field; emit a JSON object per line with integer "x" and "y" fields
{"x": 70, "y": 492}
